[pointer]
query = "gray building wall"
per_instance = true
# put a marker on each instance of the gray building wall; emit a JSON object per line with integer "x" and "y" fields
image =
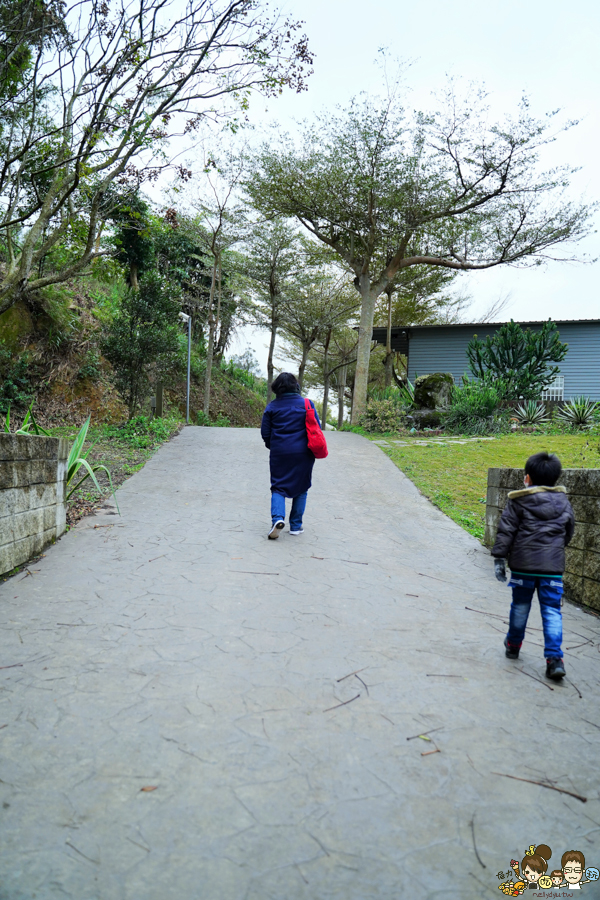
{"x": 443, "y": 348}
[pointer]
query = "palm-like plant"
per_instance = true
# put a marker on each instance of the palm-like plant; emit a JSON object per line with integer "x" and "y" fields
{"x": 579, "y": 412}
{"x": 531, "y": 412}
{"x": 77, "y": 461}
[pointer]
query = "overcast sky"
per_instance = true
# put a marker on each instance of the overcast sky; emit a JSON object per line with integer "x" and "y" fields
{"x": 545, "y": 49}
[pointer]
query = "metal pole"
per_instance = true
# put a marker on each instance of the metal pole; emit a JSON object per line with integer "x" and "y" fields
{"x": 187, "y": 404}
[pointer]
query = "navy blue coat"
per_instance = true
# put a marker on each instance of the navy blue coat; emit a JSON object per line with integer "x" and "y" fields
{"x": 283, "y": 430}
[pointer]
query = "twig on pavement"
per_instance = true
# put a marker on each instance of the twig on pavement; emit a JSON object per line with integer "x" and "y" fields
{"x": 472, "y": 824}
{"x": 523, "y": 672}
{"x": 422, "y": 733}
{"x": 542, "y": 784}
{"x": 343, "y": 678}
{"x": 345, "y": 703}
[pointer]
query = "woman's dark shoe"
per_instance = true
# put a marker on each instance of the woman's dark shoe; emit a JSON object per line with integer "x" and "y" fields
{"x": 512, "y": 652}
{"x": 555, "y": 669}
{"x": 274, "y": 532}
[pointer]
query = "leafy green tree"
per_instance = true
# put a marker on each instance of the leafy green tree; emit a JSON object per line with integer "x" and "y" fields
{"x": 387, "y": 191}
{"x": 517, "y": 362}
{"x": 275, "y": 259}
{"x": 143, "y": 333}
{"x": 98, "y": 104}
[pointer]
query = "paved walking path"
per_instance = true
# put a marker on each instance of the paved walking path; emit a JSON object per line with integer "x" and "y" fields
{"x": 176, "y": 648}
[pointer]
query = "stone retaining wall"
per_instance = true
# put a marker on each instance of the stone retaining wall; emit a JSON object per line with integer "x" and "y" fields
{"x": 582, "y": 575}
{"x": 32, "y": 495}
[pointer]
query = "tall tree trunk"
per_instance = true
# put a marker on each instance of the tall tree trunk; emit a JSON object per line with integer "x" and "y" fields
{"x": 363, "y": 351}
{"x": 341, "y": 389}
{"x": 305, "y": 352}
{"x": 270, "y": 354}
{"x": 388, "y": 343}
{"x": 326, "y": 377}
{"x": 211, "y": 340}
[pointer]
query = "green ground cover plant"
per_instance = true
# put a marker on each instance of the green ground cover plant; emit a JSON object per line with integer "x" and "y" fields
{"x": 123, "y": 450}
{"x": 454, "y": 476}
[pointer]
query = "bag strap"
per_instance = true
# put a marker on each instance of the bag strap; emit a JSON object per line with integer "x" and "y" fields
{"x": 306, "y": 404}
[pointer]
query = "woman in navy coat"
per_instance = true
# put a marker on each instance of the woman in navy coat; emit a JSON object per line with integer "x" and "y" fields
{"x": 283, "y": 430}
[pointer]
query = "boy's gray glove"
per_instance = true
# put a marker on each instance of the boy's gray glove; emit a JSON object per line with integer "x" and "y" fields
{"x": 500, "y": 569}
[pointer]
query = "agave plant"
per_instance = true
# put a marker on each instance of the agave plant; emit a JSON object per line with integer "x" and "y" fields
{"x": 578, "y": 412}
{"x": 29, "y": 425}
{"x": 77, "y": 461}
{"x": 531, "y": 412}
{"x": 407, "y": 392}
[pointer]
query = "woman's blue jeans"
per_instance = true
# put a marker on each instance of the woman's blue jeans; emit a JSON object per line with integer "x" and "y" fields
{"x": 298, "y": 507}
{"x": 549, "y": 592}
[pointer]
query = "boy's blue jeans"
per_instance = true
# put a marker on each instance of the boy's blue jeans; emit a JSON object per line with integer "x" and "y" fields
{"x": 298, "y": 507}
{"x": 549, "y": 590}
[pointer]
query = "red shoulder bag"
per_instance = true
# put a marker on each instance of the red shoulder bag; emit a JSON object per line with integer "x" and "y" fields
{"x": 316, "y": 439}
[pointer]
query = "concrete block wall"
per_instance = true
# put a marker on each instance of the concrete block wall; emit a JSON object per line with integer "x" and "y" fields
{"x": 582, "y": 574}
{"x": 32, "y": 495}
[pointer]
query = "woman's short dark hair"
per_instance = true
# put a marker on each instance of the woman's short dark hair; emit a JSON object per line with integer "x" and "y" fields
{"x": 285, "y": 383}
{"x": 543, "y": 468}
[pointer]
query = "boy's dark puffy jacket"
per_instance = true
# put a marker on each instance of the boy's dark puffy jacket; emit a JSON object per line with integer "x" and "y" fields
{"x": 535, "y": 527}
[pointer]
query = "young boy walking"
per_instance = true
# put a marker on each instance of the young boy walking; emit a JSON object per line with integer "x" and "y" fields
{"x": 535, "y": 527}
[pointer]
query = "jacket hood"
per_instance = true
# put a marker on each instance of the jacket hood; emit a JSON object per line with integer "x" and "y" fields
{"x": 543, "y": 502}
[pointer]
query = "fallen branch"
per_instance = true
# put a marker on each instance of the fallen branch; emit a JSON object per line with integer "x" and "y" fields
{"x": 591, "y": 723}
{"x": 350, "y": 674}
{"x": 422, "y": 733}
{"x": 541, "y": 784}
{"x": 345, "y": 703}
{"x": 429, "y": 752}
{"x": 363, "y": 684}
{"x": 472, "y": 823}
{"x": 244, "y": 572}
{"x": 550, "y": 688}
{"x": 14, "y": 666}
{"x": 484, "y": 613}
{"x": 576, "y": 688}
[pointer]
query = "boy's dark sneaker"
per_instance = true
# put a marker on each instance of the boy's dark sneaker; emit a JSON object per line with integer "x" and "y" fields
{"x": 555, "y": 669}
{"x": 512, "y": 651}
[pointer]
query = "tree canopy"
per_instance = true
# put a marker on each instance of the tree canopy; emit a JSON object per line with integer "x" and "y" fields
{"x": 93, "y": 98}
{"x": 387, "y": 190}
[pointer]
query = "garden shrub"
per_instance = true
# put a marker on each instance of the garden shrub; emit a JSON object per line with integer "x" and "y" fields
{"x": 381, "y": 416}
{"x": 474, "y": 409}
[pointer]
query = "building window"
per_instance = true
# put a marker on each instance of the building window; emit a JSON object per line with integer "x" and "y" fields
{"x": 556, "y": 390}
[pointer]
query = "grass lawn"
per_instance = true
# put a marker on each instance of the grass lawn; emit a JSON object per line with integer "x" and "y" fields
{"x": 454, "y": 476}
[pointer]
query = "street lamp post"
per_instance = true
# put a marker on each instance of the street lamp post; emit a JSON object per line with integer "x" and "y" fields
{"x": 185, "y": 318}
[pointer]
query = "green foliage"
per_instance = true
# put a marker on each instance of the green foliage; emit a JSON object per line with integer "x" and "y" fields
{"x": 579, "y": 412}
{"x": 531, "y": 412}
{"x": 15, "y": 385}
{"x": 142, "y": 432}
{"x": 29, "y": 424}
{"x": 78, "y": 460}
{"x": 517, "y": 361}
{"x": 144, "y": 332}
{"x": 381, "y": 416}
{"x": 90, "y": 366}
{"x": 474, "y": 409}
{"x": 202, "y": 418}
{"x": 245, "y": 375}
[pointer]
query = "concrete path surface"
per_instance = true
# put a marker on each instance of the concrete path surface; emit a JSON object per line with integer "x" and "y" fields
{"x": 190, "y": 711}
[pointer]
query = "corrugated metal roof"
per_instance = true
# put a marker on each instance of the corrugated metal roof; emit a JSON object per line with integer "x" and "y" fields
{"x": 499, "y": 324}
